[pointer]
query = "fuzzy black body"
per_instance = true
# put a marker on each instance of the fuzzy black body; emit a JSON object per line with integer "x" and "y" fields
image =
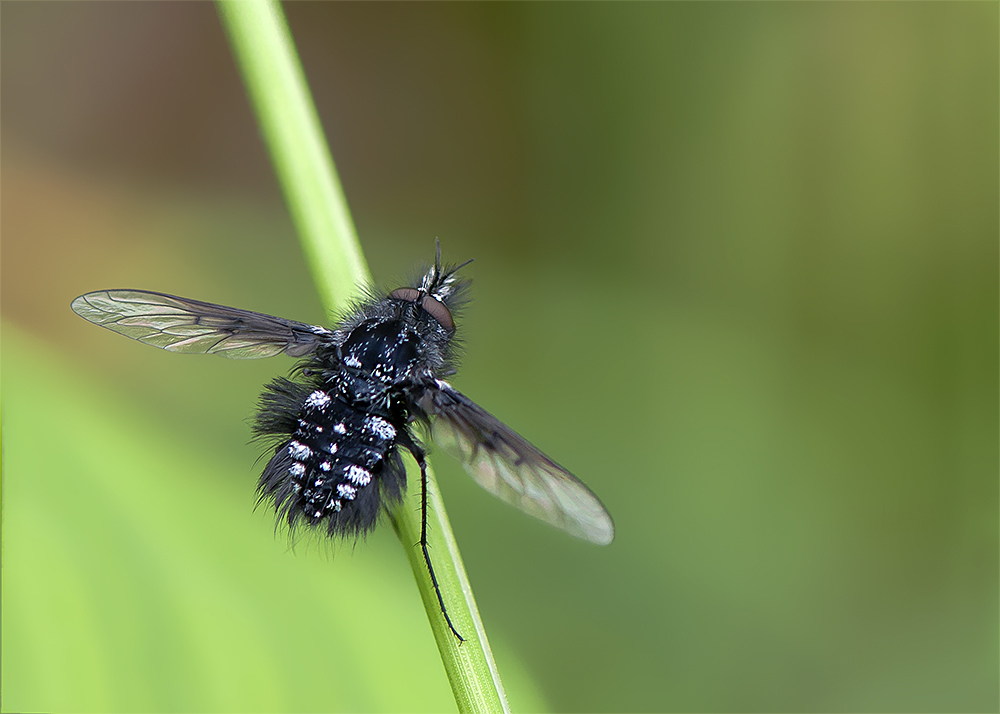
{"x": 337, "y": 460}
{"x": 338, "y": 429}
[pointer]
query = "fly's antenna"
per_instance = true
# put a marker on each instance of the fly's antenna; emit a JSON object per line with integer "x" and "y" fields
{"x": 459, "y": 267}
{"x": 437, "y": 282}
{"x": 439, "y": 277}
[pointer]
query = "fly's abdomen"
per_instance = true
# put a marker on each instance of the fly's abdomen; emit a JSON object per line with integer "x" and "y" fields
{"x": 339, "y": 466}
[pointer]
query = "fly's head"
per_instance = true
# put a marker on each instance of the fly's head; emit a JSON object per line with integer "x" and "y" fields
{"x": 428, "y": 311}
{"x": 439, "y": 292}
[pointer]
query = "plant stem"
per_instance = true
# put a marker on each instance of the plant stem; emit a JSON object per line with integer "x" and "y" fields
{"x": 277, "y": 89}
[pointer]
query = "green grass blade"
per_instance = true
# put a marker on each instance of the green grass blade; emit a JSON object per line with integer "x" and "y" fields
{"x": 280, "y": 97}
{"x": 294, "y": 137}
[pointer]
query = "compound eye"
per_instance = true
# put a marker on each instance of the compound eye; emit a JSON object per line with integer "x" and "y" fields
{"x": 408, "y": 294}
{"x": 434, "y": 308}
{"x": 437, "y": 310}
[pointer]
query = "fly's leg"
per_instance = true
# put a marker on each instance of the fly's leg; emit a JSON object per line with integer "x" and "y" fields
{"x": 410, "y": 445}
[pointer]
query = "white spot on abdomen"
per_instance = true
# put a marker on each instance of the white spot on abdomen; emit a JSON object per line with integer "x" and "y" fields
{"x": 357, "y": 475}
{"x": 317, "y": 400}
{"x": 381, "y": 428}
{"x": 299, "y": 451}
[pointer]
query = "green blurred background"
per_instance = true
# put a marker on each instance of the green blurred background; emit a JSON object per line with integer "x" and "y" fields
{"x": 736, "y": 267}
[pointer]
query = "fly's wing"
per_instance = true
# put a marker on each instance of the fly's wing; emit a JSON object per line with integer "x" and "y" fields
{"x": 191, "y": 326}
{"x": 509, "y": 467}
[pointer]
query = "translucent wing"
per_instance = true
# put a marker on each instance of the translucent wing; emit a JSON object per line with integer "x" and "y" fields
{"x": 181, "y": 325}
{"x": 509, "y": 467}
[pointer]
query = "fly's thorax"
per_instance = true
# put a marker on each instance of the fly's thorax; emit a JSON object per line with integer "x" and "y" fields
{"x": 397, "y": 350}
{"x": 385, "y": 350}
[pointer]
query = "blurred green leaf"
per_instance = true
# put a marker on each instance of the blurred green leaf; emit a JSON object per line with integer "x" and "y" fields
{"x": 136, "y": 578}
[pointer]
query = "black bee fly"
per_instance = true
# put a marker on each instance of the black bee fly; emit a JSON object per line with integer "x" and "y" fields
{"x": 339, "y": 424}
